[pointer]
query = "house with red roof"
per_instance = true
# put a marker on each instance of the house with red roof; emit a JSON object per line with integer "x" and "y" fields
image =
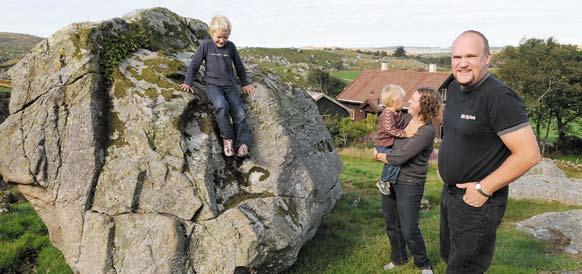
{"x": 362, "y": 96}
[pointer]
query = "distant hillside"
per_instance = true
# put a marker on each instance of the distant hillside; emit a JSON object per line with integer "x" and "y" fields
{"x": 293, "y": 64}
{"x": 13, "y": 46}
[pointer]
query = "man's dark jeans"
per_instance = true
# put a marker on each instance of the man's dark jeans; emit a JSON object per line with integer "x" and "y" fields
{"x": 400, "y": 210}
{"x": 467, "y": 233}
{"x": 226, "y": 102}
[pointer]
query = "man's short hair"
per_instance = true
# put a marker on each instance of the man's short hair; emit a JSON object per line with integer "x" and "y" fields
{"x": 485, "y": 41}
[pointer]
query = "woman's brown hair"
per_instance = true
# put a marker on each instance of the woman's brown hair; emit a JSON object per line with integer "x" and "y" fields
{"x": 430, "y": 104}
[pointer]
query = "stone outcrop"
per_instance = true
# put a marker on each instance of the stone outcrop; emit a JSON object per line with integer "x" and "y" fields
{"x": 4, "y": 101}
{"x": 547, "y": 182}
{"x": 127, "y": 170}
{"x": 560, "y": 228}
{"x": 4, "y": 113}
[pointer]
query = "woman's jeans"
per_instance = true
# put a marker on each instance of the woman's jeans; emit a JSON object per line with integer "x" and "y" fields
{"x": 401, "y": 215}
{"x": 227, "y": 103}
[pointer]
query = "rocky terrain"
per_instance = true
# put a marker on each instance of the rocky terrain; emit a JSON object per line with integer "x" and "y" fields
{"x": 547, "y": 182}
{"x": 127, "y": 171}
{"x": 13, "y": 46}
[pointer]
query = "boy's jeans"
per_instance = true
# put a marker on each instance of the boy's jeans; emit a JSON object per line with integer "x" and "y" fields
{"x": 227, "y": 103}
{"x": 389, "y": 172}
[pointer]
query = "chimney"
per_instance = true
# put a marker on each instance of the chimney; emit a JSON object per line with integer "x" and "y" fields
{"x": 384, "y": 66}
{"x": 432, "y": 68}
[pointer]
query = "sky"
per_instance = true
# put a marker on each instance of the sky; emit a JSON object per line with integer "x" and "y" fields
{"x": 343, "y": 23}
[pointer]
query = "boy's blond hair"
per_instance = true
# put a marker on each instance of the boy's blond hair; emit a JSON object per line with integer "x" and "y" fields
{"x": 390, "y": 94}
{"x": 219, "y": 23}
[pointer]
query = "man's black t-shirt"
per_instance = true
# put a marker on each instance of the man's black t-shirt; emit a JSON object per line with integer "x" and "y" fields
{"x": 474, "y": 119}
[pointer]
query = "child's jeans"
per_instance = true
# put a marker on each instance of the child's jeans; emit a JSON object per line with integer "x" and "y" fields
{"x": 226, "y": 102}
{"x": 389, "y": 172}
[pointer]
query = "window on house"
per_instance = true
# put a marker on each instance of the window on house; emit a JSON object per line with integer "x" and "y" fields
{"x": 352, "y": 114}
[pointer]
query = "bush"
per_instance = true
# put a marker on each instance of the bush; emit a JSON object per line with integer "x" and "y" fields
{"x": 324, "y": 82}
{"x": 399, "y": 52}
{"x": 571, "y": 145}
{"x": 346, "y": 132}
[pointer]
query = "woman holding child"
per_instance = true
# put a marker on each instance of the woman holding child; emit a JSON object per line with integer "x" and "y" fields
{"x": 401, "y": 206}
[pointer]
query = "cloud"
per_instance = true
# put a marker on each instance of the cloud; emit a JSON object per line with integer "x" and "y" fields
{"x": 365, "y": 23}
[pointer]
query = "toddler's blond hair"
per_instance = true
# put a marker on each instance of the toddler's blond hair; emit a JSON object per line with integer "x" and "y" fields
{"x": 219, "y": 23}
{"x": 390, "y": 94}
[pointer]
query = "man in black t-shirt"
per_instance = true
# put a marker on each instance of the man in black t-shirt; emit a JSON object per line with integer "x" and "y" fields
{"x": 487, "y": 144}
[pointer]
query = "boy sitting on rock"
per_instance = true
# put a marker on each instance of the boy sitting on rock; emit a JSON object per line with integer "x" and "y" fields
{"x": 220, "y": 55}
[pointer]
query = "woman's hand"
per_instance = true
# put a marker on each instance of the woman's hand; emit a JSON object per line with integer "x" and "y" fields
{"x": 249, "y": 89}
{"x": 187, "y": 88}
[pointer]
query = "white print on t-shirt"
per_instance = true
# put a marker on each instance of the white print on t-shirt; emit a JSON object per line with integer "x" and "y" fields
{"x": 219, "y": 54}
{"x": 467, "y": 117}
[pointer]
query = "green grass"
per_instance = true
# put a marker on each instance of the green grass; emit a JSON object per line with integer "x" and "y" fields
{"x": 576, "y": 130}
{"x": 352, "y": 238}
{"x": 3, "y": 89}
{"x": 567, "y": 157}
{"x": 24, "y": 243}
{"x": 571, "y": 172}
{"x": 347, "y": 76}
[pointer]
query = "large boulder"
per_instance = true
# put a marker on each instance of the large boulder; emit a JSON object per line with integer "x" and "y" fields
{"x": 563, "y": 229}
{"x": 547, "y": 182}
{"x": 127, "y": 171}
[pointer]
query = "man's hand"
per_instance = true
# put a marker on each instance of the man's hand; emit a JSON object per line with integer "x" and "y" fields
{"x": 472, "y": 197}
{"x": 249, "y": 89}
{"x": 187, "y": 88}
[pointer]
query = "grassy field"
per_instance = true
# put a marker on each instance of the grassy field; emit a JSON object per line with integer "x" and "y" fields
{"x": 350, "y": 240}
{"x": 576, "y": 130}
{"x": 568, "y": 157}
{"x": 347, "y": 76}
{"x": 3, "y": 89}
{"x": 25, "y": 246}
{"x": 570, "y": 171}
{"x": 293, "y": 64}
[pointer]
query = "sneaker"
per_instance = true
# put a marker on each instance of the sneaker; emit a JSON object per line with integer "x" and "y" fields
{"x": 426, "y": 270}
{"x": 242, "y": 151}
{"x": 390, "y": 266}
{"x": 228, "y": 147}
{"x": 384, "y": 187}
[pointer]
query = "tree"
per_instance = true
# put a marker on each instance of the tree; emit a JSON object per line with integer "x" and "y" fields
{"x": 399, "y": 52}
{"x": 547, "y": 75}
{"x": 324, "y": 82}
